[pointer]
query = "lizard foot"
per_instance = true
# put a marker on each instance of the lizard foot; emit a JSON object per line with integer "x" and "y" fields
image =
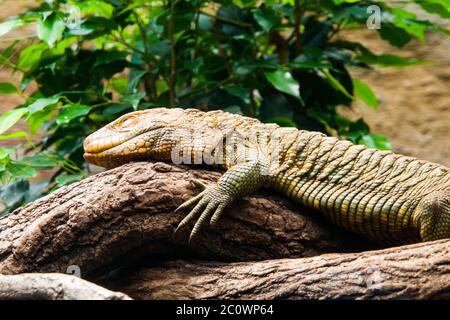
{"x": 210, "y": 203}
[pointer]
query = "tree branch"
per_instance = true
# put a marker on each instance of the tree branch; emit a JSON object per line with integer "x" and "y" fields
{"x": 53, "y": 286}
{"x": 124, "y": 217}
{"x": 172, "y": 76}
{"x": 419, "y": 271}
{"x": 125, "y": 213}
{"x": 225, "y": 20}
{"x": 298, "y": 19}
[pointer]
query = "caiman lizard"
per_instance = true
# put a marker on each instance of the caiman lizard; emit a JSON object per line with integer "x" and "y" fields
{"x": 386, "y": 197}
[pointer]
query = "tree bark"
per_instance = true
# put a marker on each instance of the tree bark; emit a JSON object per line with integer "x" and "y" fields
{"x": 53, "y": 286}
{"x": 128, "y": 212}
{"x": 125, "y": 216}
{"x": 419, "y": 271}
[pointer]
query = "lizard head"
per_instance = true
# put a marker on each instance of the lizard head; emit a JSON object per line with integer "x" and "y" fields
{"x": 156, "y": 133}
{"x": 133, "y": 136}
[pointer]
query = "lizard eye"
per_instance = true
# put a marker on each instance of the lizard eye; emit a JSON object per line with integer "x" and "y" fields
{"x": 126, "y": 122}
{"x": 129, "y": 122}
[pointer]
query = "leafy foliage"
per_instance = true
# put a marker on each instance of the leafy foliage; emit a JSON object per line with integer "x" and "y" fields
{"x": 92, "y": 61}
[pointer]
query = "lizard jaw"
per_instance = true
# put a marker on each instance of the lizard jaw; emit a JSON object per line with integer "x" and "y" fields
{"x": 113, "y": 149}
{"x": 104, "y": 144}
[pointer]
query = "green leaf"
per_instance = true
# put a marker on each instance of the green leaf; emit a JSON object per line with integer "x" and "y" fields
{"x": 41, "y": 103}
{"x": 307, "y": 64}
{"x": 397, "y": 37}
{"x": 119, "y": 85}
{"x": 436, "y": 8}
{"x": 7, "y": 53}
{"x": 161, "y": 86}
{"x": 266, "y": 18}
{"x": 354, "y": 130}
{"x": 20, "y": 169}
{"x": 115, "y": 108}
{"x": 50, "y": 28}
{"x": 134, "y": 78}
{"x": 234, "y": 109}
{"x": 98, "y": 8}
{"x": 194, "y": 65}
{"x": 7, "y": 26}
{"x": 134, "y": 4}
{"x": 7, "y": 87}
{"x": 365, "y": 93}
{"x": 105, "y": 57}
{"x": 14, "y": 194}
{"x": 284, "y": 82}
{"x": 37, "y": 119}
{"x": 376, "y": 141}
{"x": 239, "y": 92}
{"x": 70, "y": 112}
{"x": 345, "y": 1}
{"x": 282, "y": 121}
{"x": 5, "y": 152}
{"x": 10, "y": 118}
{"x": 63, "y": 180}
{"x": 133, "y": 99}
{"x": 336, "y": 84}
{"x": 30, "y": 56}
{"x": 43, "y": 160}
{"x": 389, "y": 60}
{"x": 14, "y": 135}
{"x": 205, "y": 23}
{"x": 408, "y": 22}
{"x": 443, "y": 3}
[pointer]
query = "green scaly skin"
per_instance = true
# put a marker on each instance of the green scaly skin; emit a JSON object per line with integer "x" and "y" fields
{"x": 386, "y": 197}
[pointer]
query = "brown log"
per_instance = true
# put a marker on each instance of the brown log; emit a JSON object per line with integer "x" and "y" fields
{"x": 53, "y": 286}
{"x": 109, "y": 219}
{"x": 127, "y": 213}
{"x": 419, "y": 271}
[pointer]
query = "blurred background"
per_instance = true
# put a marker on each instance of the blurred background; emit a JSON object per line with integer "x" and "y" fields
{"x": 379, "y": 78}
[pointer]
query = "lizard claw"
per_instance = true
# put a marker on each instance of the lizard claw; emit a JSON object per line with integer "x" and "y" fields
{"x": 193, "y": 200}
{"x": 199, "y": 184}
{"x": 210, "y": 203}
{"x": 189, "y": 203}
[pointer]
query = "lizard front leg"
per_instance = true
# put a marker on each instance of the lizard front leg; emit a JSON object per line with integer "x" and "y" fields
{"x": 239, "y": 180}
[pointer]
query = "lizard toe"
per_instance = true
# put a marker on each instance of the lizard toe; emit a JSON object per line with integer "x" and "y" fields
{"x": 209, "y": 204}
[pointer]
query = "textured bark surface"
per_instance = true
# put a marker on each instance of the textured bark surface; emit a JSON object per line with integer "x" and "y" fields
{"x": 53, "y": 286}
{"x": 127, "y": 213}
{"x": 419, "y": 271}
{"x": 124, "y": 217}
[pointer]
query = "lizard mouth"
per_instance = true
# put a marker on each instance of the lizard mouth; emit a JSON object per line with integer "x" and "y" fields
{"x": 101, "y": 144}
{"x": 111, "y": 150}
{"x": 108, "y": 157}
{"x": 112, "y": 146}
{"x": 105, "y": 139}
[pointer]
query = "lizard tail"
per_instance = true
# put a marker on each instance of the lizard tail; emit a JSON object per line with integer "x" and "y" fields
{"x": 432, "y": 216}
